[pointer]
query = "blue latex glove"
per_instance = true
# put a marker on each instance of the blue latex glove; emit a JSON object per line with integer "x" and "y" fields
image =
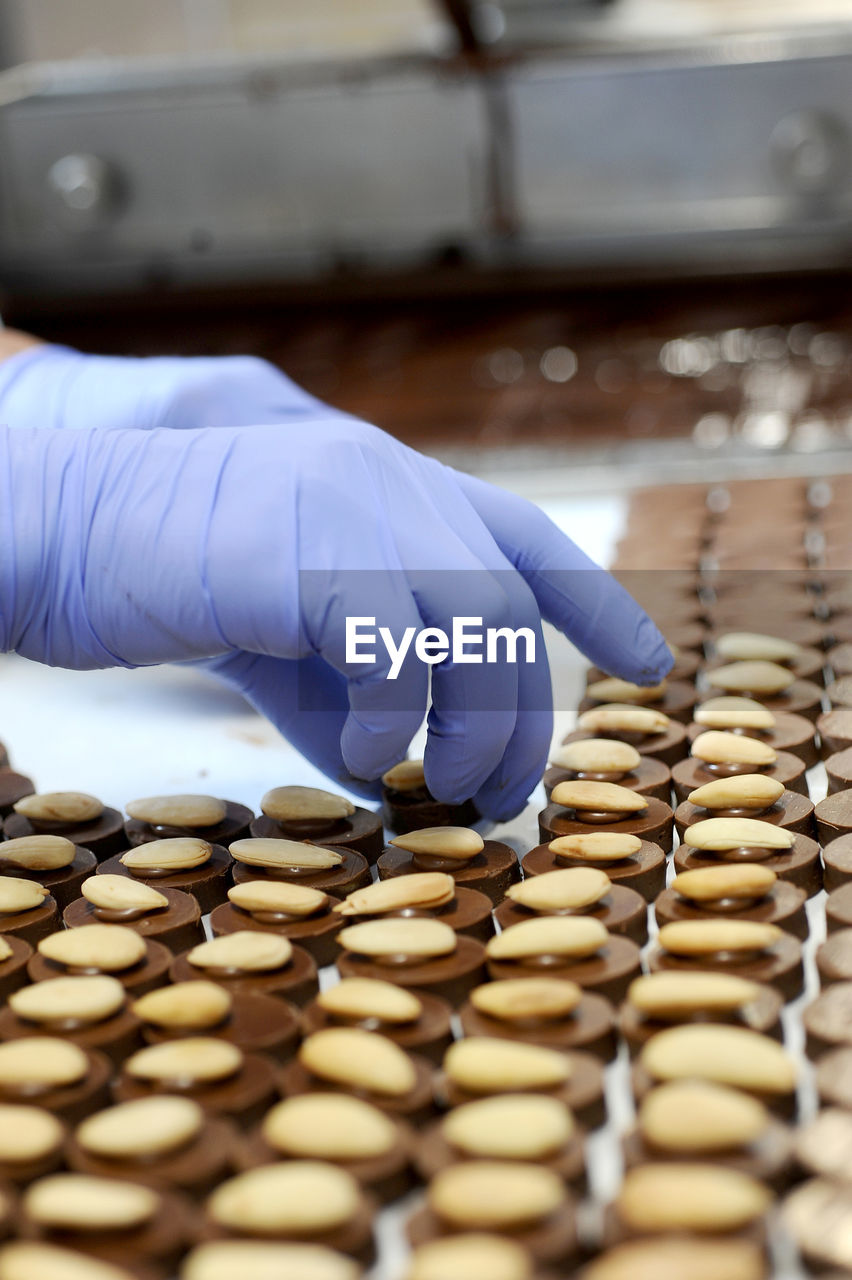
{"x": 249, "y": 548}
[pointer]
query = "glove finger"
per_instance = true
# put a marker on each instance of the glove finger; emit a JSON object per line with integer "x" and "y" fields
{"x": 305, "y": 699}
{"x": 576, "y": 595}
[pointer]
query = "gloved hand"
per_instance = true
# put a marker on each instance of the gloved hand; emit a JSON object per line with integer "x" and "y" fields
{"x": 249, "y": 548}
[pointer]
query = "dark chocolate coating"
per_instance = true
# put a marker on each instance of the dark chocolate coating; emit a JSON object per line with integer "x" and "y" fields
{"x": 103, "y": 837}
{"x": 834, "y": 1078}
{"x": 64, "y": 884}
{"x": 837, "y": 859}
{"x": 690, "y": 774}
{"x": 621, "y": 910}
{"x": 416, "y": 1106}
{"x": 31, "y": 925}
{"x": 208, "y": 883}
{"x": 835, "y": 730}
{"x": 361, "y": 831}
{"x": 828, "y": 1020}
{"x": 429, "y": 1036}
{"x": 434, "y": 1153}
{"x": 553, "y": 1241}
{"x": 834, "y": 958}
{"x": 234, "y": 826}
{"x": 763, "y": 1015}
{"x": 491, "y": 872}
{"x": 177, "y": 926}
{"x": 256, "y": 1024}
{"x": 316, "y": 934}
{"x": 800, "y": 865}
{"x": 790, "y": 733}
{"x": 194, "y": 1168}
{"x": 838, "y": 768}
{"x": 115, "y": 1037}
{"x": 839, "y": 659}
{"x": 808, "y": 664}
{"x": 791, "y": 811}
{"x": 13, "y": 787}
{"x": 387, "y": 1176}
{"x": 161, "y": 1242}
{"x": 151, "y": 971}
{"x": 654, "y": 824}
{"x": 245, "y": 1096}
{"x": 608, "y": 972}
{"x": 784, "y": 905}
{"x": 468, "y": 913}
{"x": 404, "y": 811}
{"x": 71, "y": 1102}
{"x": 778, "y": 966}
{"x": 840, "y": 692}
{"x": 650, "y": 778}
{"x": 667, "y": 747}
{"x": 583, "y": 1091}
{"x": 834, "y": 817}
{"x": 352, "y": 873}
{"x": 451, "y": 977}
{"x": 13, "y": 970}
{"x": 296, "y": 981}
{"x": 590, "y": 1027}
{"x": 677, "y": 702}
{"x": 20, "y": 1173}
{"x": 769, "y": 1158}
{"x": 838, "y": 908}
{"x": 644, "y": 871}
{"x": 801, "y": 698}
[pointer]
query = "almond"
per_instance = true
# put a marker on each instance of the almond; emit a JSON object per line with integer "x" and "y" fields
{"x": 712, "y": 937}
{"x": 673, "y": 996}
{"x": 38, "y": 853}
{"x": 733, "y": 713}
{"x": 38, "y": 1063}
{"x": 728, "y": 881}
{"x": 60, "y": 806}
{"x": 495, "y": 1195}
{"x": 408, "y": 775}
{"x": 301, "y": 1197}
{"x": 329, "y": 1126}
{"x": 568, "y": 890}
{"x": 184, "y": 1063}
{"x": 524, "y": 999}
{"x": 146, "y": 1128}
{"x": 28, "y": 1134}
{"x": 246, "y": 951}
{"x": 283, "y": 854}
{"x": 30, "y": 1260}
{"x": 690, "y": 1197}
{"x": 623, "y": 717}
{"x": 724, "y": 835}
{"x": 612, "y": 689}
{"x": 748, "y": 646}
{"x": 764, "y": 678}
{"x": 20, "y": 895}
{"x": 423, "y": 889}
{"x": 120, "y": 893}
{"x": 732, "y": 748}
{"x": 487, "y": 1064}
{"x": 597, "y": 755}
{"x": 259, "y": 1260}
{"x": 689, "y": 1116}
{"x": 424, "y": 939}
{"x": 744, "y": 791}
{"x": 728, "y": 1055}
{"x": 178, "y": 811}
{"x": 78, "y": 1203}
{"x": 364, "y": 999}
{"x": 569, "y": 937}
{"x": 360, "y": 1060}
{"x": 595, "y": 846}
{"x": 278, "y": 896}
{"x": 598, "y": 797}
{"x": 56, "y": 1000}
{"x": 509, "y": 1127}
{"x": 110, "y": 948}
{"x": 457, "y": 844}
{"x": 190, "y": 1006}
{"x": 298, "y": 804}
{"x": 181, "y": 853}
{"x": 473, "y": 1255}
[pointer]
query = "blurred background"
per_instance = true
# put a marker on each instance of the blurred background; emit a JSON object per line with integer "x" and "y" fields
{"x": 575, "y": 245}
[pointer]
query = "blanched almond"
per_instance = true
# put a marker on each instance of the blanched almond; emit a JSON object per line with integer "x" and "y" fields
{"x": 121, "y": 893}
{"x": 20, "y": 895}
{"x": 510, "y": 1126}
{"x": 472, "y": 1255}
{"x": 192, "y": 1006}
{"x": 260, "y": 1260}
{"x": 729, "y": 1055}
{"x": 672, "y": 996}
{"x": 458, "y": 844}
{"x": 595, "y": 846}
{"x": 699, "y": 1116}
{"x": 301, "y": 1197}
{"x": 522, "y": 999}
{"x": 568, "y": 890}
{"x": 761, "y": 678}
{"x": 732, "y": 748}
{"x": 733, "y": 713}
{"x": 297, "y": 804}
{"x": 38, "y": 853}
{"x": 422, "y": 889}
{"x": 28, "y": 1134}
{"x": 178, "y": 811}
{"x": 598, "y": 797}
{"x": 278, "y": 896}
{"x": 612, "y": 689}
{"x": 571, "y": 937}
{"x": 709, "y": 937}
{"x": 181, "y": 853}
{"x": 723, "y": 835}
{"x": 359, "y": 1059}
{"x": 596, "y": 755}
{"x": 748, "y": 646}
{"x": 246, "y": 951}
{"x": 196, "y": 1060}
{"x": 623, "y": 717}
{"x": 41, "y": 1062}
{"x": 32, "y": 1260}
{"x": 281, "y": 854}
{"x": 60, "y": 806}
{"x": 329, "y": 1126}
{"x": 142, "y": 1129}
{"x": 78, "y": 1203}
{"x": 673, "y": 1258}
{"x": 425, "y": 939}
{"x": 690, "y": 1197}
{"x": 361, "y": 999}
{"x": 495, "y": 1195}
{"x": 408, "y": 775}
{"x": 744, "y": 791}
{"x": 83, "y": 999}
{"x": 487, "y": 1064}
{"x": 108, "y": 947}
{"x": 727, "y": 881}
